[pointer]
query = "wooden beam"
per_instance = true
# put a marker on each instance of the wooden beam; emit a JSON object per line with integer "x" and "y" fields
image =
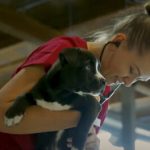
{"x": 142, "y": 105}
{"x": 23, "y": 27}
{"x": 11, "y": 57}
{"x": 14, "y": 53}
{"x": 143, "y": 89}
{"x": 6, "y": 72}
{"x": 100, "y": 22}
{"x": 90, "y": 26}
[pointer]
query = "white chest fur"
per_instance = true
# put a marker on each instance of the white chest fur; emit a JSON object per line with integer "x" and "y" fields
{"x": 52, "y": 105}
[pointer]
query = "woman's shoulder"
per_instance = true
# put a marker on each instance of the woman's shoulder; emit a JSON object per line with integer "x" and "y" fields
{"x": 74, "y": 41}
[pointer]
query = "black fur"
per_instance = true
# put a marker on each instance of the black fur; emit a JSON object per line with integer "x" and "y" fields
{"x": 75, "y": 71}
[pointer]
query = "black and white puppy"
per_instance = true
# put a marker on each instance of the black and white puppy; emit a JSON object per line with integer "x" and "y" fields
{"x": 71, "y": 83}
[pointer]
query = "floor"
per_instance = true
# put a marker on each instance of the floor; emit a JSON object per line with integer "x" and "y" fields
{"x": 106, "y": 144}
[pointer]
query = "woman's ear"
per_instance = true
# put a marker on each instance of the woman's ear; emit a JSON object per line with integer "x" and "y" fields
{"x": 118, "y": 38}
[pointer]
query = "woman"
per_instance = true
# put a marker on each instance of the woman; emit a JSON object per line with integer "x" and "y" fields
{"x": 124, "y": 53}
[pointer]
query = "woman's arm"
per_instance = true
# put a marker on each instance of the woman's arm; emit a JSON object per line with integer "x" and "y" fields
{"x": 36, "y": 119}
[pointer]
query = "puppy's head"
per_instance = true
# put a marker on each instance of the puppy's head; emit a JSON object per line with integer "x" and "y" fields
{"x": 78, "y": 70}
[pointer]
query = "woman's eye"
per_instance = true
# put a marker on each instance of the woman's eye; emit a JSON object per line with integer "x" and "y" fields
{"x": 131, "y": 70}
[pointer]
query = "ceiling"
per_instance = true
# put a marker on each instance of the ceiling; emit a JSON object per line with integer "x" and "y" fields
{"x": 22, "y": 19}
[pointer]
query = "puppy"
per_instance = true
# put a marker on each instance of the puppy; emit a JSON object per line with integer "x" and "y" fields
{"x": 71, "y": 83}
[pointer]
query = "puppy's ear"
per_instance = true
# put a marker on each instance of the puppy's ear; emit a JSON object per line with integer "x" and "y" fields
{"x": 68, "y": 55}
{"x": 62, "y": 59}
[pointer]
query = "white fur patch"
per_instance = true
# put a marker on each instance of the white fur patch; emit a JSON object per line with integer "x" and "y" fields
{"x": 12, "y": 121}
{"x": 81, "y": 93}
{"x": 74, "y": 148}
{"x": 98, "y": 74}
{"x": 59, "y": 134}
{"x": 86, "y": 93}
{"x": 52, "y": 105}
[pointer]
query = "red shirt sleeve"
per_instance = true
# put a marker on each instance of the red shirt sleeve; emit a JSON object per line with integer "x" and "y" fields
{"x": 16, "y": 142}
{"x": 47, "y": 53}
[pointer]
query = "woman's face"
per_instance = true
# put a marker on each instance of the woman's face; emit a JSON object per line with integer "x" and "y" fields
{"x": 120, "y": 65}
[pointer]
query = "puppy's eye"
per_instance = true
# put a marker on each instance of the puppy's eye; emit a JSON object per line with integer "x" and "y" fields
{"x": 130, "y": 70}
{"x": 88, "y": 67}
{"x": 134, "y": 71}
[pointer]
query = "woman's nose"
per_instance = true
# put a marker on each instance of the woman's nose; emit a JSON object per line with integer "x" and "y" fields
{"x": 128, "y": 81}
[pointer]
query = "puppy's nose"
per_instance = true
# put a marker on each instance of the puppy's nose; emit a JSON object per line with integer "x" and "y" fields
{"x": 102, "y": 82}
{"x": 102, "y": 85}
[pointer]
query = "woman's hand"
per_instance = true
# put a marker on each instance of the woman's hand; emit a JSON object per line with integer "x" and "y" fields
{"x": 97, "y": 98}
{"x": 92, "y": 142}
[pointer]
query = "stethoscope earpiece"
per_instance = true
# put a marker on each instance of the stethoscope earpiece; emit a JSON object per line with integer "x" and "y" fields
{"x": 117, "y": 44}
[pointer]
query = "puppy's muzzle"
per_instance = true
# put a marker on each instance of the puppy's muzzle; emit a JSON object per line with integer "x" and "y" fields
{"x": 102, "y": 84}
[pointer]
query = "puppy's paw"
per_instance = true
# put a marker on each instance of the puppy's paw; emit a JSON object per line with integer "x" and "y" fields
{"x": 12, "y": 121}
{"x": 74, "y": 148}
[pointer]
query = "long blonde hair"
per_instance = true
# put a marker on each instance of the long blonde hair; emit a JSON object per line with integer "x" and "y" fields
{"x": 136, "y": 26}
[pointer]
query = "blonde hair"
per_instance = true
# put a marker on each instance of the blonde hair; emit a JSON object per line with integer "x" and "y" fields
{"x": 136, "y": 26}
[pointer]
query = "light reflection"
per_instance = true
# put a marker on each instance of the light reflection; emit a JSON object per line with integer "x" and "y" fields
{"x": 106, "y": 144}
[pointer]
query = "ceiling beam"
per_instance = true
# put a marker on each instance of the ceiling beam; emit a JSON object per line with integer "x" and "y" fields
{"x": 11, "y": 57}
{"x": 14, "y": 53}
{"x": 23, "y": 27}
{"x": 99, "y": 23}
{"x": 31, "y": 4}
{"x": 6, "y": 72}
{"x": 89, "y": 26}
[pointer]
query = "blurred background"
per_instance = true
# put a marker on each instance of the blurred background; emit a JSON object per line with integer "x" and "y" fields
{"x": 24, "y": 24}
